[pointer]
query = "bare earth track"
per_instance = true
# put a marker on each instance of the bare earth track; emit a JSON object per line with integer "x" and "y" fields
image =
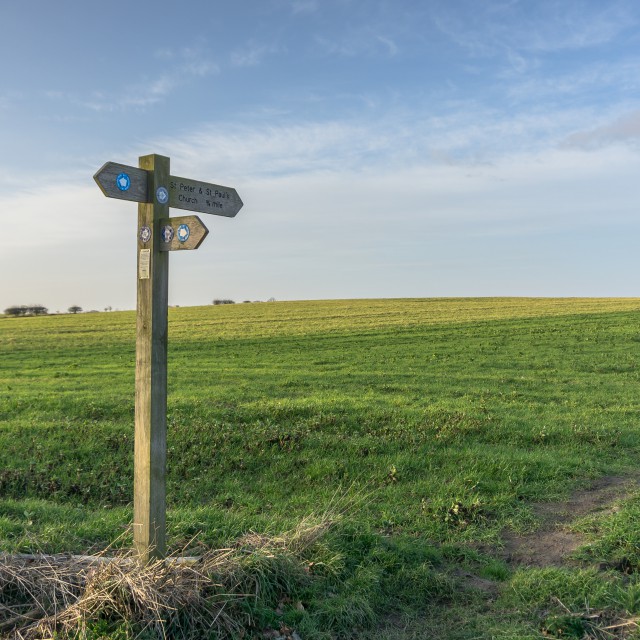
{"x": 553, "y": 542}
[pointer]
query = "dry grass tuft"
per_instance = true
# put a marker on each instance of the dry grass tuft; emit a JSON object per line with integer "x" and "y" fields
{"x": 44, "y": 595}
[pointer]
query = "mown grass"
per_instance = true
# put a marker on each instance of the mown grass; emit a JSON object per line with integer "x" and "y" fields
{"x": 448, "y": 418}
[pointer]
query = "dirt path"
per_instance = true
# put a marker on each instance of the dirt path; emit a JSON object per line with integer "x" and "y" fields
{"x": 552, "y": 543}
{"x": 549, "y": 546}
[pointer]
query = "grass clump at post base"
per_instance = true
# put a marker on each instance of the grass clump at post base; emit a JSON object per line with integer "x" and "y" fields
{"x": 453, "y": 416}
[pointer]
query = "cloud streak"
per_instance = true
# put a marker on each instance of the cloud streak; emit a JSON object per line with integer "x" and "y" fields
{"x": 396, "y": 141}
{"x": 304, "y": 6}
{"x": 622, "y": 77}
{"x": 252, "y": 54}
{"x": 367, "y": 40}
{"x": 182, "y": 68}
{"x": 625, "y": 129}
{"x": 549, "y": 27}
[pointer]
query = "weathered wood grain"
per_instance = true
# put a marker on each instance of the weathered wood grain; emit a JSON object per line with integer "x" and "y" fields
{"x": 149, "y": 500}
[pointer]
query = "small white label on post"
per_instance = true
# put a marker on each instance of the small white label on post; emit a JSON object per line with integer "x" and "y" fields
{"x": 143, "y": 264}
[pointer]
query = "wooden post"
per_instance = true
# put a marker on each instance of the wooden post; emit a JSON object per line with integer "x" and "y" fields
{"x": 155, "y": 190}
{"x": 149, "y": 499}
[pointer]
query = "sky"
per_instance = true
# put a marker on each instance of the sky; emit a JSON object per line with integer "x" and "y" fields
{"x": 382, "y": 148}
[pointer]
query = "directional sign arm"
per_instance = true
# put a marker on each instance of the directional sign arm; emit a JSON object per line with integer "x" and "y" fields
{"x": 184, "y": 232}
{"x": 123, "y": 182}
{"x": 132, "y": 183}
{"x": 203, "y": 197}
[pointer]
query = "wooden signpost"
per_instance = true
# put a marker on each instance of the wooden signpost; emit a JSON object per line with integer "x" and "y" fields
{"x": 155, "y": 191}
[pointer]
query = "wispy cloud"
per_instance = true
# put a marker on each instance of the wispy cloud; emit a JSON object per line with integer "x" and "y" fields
{"x": 367, "y": 41}
{"x": 380, "y": 182}
{"x": 304, "y": 6}
{"x": 196, "y": 61}
{"x": 472, "y": 136}
{"x": 140, "y": 96}
{"x": 618, "y": 76}
{"x": 252, "y": 54}
{"x": 165, "y": 53}
{"x": 180, "y": 68}
{"x": 546, "y": 28}
{"x": 574, "y": 26}
{"x": 624, "y": 129}
{"x": 392, "y": 47}
{"x": 8, "y": 99}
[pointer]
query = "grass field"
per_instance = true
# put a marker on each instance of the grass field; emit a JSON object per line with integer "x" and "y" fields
{"x": 439, "y": 422}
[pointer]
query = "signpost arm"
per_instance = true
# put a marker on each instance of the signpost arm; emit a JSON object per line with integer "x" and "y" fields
{"x": 149, "y": 501}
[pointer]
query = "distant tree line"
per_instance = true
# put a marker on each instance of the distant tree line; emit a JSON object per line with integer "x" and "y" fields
{"x": 17, "y": 311}
{"x": 223, "y": 301}
{"x": 26, "y": 310}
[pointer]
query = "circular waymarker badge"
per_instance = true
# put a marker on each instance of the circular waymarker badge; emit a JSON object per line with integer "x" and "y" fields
{"x": 123, "y": 181}
{"x": 162, "y": 195}
{"x": 145, "y": 234}
{"x": 167, "y": 233}
{"x": 183, "y": 233}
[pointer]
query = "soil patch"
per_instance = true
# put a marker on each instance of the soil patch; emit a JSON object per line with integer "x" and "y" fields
{"x": 476, "y": 583}
{"x": 552, "y": 543}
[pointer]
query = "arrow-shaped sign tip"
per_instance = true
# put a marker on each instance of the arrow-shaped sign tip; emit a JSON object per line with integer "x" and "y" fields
{"x": 185, "y": 232}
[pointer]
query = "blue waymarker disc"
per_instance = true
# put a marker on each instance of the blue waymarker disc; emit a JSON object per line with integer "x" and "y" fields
{"x": 123, "y": 181}
{"x": 162, "y": 195}
{"x": 145, "y": 234}
{"x": 167, "y": 233}
{"x": 183, "y": 233}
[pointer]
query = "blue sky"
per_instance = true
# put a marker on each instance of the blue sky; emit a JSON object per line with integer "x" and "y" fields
{"x": 381, "y": 148}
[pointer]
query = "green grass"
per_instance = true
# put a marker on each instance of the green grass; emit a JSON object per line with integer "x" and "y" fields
{"x": 448, "y": 418}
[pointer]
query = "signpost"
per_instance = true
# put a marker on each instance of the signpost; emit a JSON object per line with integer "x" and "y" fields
{"x": 155, "y": 191}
